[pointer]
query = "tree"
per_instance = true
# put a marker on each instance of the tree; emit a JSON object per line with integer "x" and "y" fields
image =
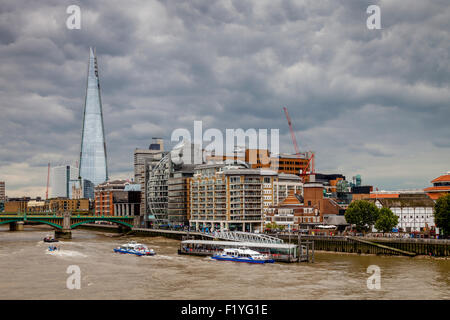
{"x": 362, "y": 213}
{"x": 442, "y": 214}
{"x": 274, "y": 226}
{"x": 386, "y": 220}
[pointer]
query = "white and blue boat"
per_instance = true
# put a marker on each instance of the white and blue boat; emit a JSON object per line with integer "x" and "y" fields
{"x": 135, "y": 248}
{"x": 242, "y": 255}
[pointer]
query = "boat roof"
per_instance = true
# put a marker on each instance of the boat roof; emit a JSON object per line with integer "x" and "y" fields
{"x": 242, "y": 244}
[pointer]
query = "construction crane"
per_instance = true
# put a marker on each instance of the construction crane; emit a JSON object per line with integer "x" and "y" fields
{"x": 48, "y": 181}
{"x": 294, "y": 140}
{"x": 310, "y": 163}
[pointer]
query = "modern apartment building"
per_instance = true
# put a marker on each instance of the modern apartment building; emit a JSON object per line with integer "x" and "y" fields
{"x": 179, "y": 197}
{"x": 226, "y": 196}
{"x": 144, "y": 161}
{"x": 181, "y": 158}
{"x": 235, "y": 196}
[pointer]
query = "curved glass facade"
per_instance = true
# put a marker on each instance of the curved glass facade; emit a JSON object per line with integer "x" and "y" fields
{"x": 157, "y": 193}
{"x": 93, "y": 164}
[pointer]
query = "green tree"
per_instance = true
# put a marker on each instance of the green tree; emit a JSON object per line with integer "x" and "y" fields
{"x": 362, "y": 214}
{"x": 442, "y": 214}
{"x": 274, "y": 226}
{"x": 386, "y": 220}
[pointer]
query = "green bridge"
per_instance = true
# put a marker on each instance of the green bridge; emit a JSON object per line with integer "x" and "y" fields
{"x": 62, "y": 222}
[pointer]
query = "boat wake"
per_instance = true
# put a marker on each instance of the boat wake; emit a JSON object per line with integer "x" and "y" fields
{"x": 162, "y": 257}
{"x": 66, "y": 253}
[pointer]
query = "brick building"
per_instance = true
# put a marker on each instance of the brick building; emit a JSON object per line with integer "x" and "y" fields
{"x": 117, "y": 198}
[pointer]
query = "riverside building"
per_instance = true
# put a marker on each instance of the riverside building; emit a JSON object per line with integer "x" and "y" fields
{"x": 415, "y": 209}
{"x": 144, "y": 161}
{"x": 441, "y": 187}
{"x": 117, "y": 198}
{"x": 172, "y": 169}
{"x": 235, "y": 197}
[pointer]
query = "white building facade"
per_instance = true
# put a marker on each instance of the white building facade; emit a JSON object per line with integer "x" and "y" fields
{"x": 415, "y": 211}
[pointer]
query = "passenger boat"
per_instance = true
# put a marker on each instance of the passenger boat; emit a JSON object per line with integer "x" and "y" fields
{"x": 135, "y": 248}
{"x": 242, "y": 255}
{"x": 49, "y": 238}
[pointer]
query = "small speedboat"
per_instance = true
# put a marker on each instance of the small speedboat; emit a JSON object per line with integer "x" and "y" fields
{"x": 49, "y": 238}
{"x": 53, "y": 248}
{"x": 135, "y": 248}
{"x": 242, "y": 255}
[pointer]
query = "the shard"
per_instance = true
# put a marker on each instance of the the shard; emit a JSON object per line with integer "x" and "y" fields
{"x": 93, "y": 161}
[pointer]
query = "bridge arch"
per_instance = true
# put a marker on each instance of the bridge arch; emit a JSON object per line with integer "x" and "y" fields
{"x": 9, "y": 221}
{"x": 48, "y": 223}
{"x": 73, "y": 226}
{"x": 33, "y": 220}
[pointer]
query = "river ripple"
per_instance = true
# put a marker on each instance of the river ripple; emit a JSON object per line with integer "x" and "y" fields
{"x": 28, "y": 271}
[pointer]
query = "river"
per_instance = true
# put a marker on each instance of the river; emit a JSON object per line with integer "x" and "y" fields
{"x": 29, "y": 271}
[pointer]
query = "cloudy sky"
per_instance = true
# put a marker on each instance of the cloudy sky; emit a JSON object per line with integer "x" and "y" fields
{"x": 373, "y": 102}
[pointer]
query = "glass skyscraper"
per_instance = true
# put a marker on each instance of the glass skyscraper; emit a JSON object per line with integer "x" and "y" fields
{"x": 93, "y": 163}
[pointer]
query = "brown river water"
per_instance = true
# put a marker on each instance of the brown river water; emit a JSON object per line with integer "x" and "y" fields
{"x": 29, "y": 271}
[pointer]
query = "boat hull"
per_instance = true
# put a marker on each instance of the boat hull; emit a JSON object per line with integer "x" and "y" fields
{"x": 139, "y": 254}
{"x": 242, "y": 260}
{"x": 51, "y": 240}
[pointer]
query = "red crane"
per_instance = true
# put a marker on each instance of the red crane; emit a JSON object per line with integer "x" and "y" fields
{"x": 48, "y": 181}
{"x": 310, "y": 163}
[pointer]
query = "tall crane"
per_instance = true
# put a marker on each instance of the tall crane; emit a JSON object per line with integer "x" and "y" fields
{"x": 294, "y": 140}
{"x": 48, "y": 181}
{"x": 310, "y": 163}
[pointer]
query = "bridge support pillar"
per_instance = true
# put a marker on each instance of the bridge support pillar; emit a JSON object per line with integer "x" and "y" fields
{"x": 123, "y": 229}
{"x": 16, "y": 226}
{"x": 63, "y": 234}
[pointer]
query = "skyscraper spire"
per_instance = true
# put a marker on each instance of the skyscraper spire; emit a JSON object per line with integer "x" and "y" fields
{"x": 93, "y": 160}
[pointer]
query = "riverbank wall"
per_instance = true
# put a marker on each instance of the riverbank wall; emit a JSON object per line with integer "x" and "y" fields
{"x": 381, "y": 246}
{"x": 355, "y": 245}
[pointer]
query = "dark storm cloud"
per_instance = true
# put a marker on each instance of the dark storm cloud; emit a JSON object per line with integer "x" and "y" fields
{"x": 374, "y": 102}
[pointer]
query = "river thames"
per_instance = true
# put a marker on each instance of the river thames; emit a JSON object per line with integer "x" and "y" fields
{"x": 29, "y": 271}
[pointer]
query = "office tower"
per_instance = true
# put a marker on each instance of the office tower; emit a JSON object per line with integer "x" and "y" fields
{"x": 62, "y": 178}
{"x": 179, "y": 159}
{"x": 144, "y": 161}
{"x": 93, "y": 161}
{"x": 2, "y": 191}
